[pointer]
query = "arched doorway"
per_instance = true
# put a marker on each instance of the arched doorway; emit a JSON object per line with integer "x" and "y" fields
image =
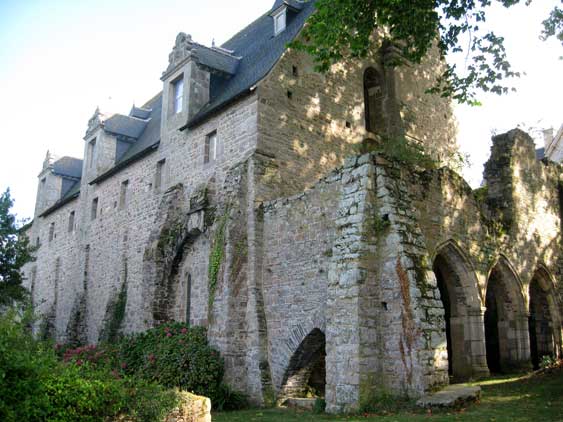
{"x": 306, "y": 372}
{"x": 506, "y": 325}
{"x": 459, "y": 293}
{"x": 543, "y": 323}
{"x": 373, "y": 99}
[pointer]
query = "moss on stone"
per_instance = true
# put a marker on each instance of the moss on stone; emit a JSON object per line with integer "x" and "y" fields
{"x": 115, "y": 314}
{"x": 216, "y": 256}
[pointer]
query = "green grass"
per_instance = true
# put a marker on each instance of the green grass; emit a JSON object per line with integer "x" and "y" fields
{"x": 516, "y": 398}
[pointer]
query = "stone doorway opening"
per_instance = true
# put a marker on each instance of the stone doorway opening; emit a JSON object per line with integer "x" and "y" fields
{"x": 506, "y": 322}
{"x": 305, "y": 376}
{"x": 459, "y": 293}
{"x": 543, "y": 323}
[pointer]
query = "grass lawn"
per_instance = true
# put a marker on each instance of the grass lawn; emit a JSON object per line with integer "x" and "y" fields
{"x": 516, "y": 398}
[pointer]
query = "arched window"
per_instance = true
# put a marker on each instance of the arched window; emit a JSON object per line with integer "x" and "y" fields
{"x": 373, "y": 98}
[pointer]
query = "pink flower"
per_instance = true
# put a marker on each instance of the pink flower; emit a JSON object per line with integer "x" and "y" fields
{"x": 184, "y": 330}
{"x": 79, "y": 362}
{"x": 166, "y": 329}
{"x": 168, "y": 334}
{"x": 123, "y": 365}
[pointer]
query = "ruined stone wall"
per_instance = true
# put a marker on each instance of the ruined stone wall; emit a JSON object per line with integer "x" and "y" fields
{"x": 299, "y": 233}
{"x": 309, "y": 122}
{"x": 371, "y": 234}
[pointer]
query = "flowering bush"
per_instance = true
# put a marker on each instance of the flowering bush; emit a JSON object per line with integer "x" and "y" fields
{"x": 35, "y": 386}
{"x": 173, "y": 355}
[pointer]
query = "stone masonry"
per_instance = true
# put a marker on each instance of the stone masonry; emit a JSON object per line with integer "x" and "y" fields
{"x": 268, "y": 213}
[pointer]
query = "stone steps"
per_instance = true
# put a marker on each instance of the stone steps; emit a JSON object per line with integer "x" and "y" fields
{"x": 451, "y": 396}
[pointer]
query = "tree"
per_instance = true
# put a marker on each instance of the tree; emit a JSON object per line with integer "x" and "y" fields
{"x": 15, "y": 252}
{"x": 344, "y": 28}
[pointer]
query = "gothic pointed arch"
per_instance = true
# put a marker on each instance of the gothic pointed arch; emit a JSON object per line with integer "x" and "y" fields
{"x": 544, "y": 323}
{"x": 306, "y": 371}
{"x": 462, "y": 301}
{"x": 506, "y": 320}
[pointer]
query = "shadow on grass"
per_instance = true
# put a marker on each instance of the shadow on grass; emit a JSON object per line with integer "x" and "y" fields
{"x": 536, "y": 397}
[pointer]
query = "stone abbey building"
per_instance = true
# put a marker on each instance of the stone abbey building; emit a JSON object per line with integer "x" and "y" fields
{"x": 248, "y": 197}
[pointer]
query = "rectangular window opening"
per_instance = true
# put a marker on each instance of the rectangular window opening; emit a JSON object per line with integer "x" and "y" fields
{"x": 71, "y": 222}
{"x": 212, "y": 151}
{"x": 158, "y": 177}
{"x": 91, "y": 152}
{"x": 123, "y": 194}
{"x": 94, "y": 210}
{"x": 178, "y": 92}
{"x": 51, "y": 231}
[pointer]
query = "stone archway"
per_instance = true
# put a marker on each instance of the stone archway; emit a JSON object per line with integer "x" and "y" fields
{"x": 306, "y": 372}
{"x": 544, "y": 324}
{"x": 506, "y": 321}
{"x": 460, "y": 297}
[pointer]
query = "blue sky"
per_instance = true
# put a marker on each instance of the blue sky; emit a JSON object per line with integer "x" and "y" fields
{"x": 61, "y": 59}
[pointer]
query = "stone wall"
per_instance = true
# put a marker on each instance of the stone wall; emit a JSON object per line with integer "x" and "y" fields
{"x": 309, "y": 122}
{"x": 380, "y": 237}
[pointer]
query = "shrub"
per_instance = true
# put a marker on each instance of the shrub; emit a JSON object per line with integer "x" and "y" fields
{"x": 35, "y": 386}
{"x": 174, "y": 355}
{"x": 319, "y": 406}
{"x": 83, "y": 393}
{"x": 228, "y": 399}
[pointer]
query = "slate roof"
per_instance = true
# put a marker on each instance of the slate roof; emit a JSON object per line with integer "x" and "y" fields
{"x": 131, "y": 127}
{"x": 68, "y": 167}
{"x": 216, "y": 60}
{"x": 147, "y": 141}
{"x": 255, "y": 51}
{"x": 259, "y": 50}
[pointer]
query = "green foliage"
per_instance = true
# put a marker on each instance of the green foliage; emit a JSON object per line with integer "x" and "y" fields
{"x": 342, "y": 29}
{"x": 35, "y": 386}
{"x": 82, "y": 393}
{"x": 401, "y": 150}
{"x": 380, "y": 224}
{"x": 173, "y": 355}
{"x": 481, "y": 193}
{"x": 15, "y": 252}
{"x": 24, "y": 365}
{"x": 553, "y": 25}
{"x": 216, "y": 257}
{"x": 115, "y": 313}
{"x": 228, "y": 399}
{"x": 384, "y": 402}
{"x": 319, "y": 406}
{"x": 547, "y": 361}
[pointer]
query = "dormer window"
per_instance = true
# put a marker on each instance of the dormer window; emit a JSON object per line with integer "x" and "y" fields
{"x": 280, "y": 19}
{"x": 178, "y": 91}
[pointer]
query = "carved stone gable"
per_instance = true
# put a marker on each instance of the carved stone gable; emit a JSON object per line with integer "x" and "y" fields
{"x": 95, "y": 121}
{"x": 182, "y": 49}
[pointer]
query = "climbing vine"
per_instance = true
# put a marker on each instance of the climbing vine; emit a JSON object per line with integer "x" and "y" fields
{"x": 115, "y": 313}
{"x": 216, "y": 257}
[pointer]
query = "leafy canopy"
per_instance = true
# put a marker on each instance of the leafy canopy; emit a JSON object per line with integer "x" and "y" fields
{"x": 344, "y": 28}
{"x": 14, "y": 254}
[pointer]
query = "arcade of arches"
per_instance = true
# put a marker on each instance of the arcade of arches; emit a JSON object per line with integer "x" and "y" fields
{"x": 502, "y": 335}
